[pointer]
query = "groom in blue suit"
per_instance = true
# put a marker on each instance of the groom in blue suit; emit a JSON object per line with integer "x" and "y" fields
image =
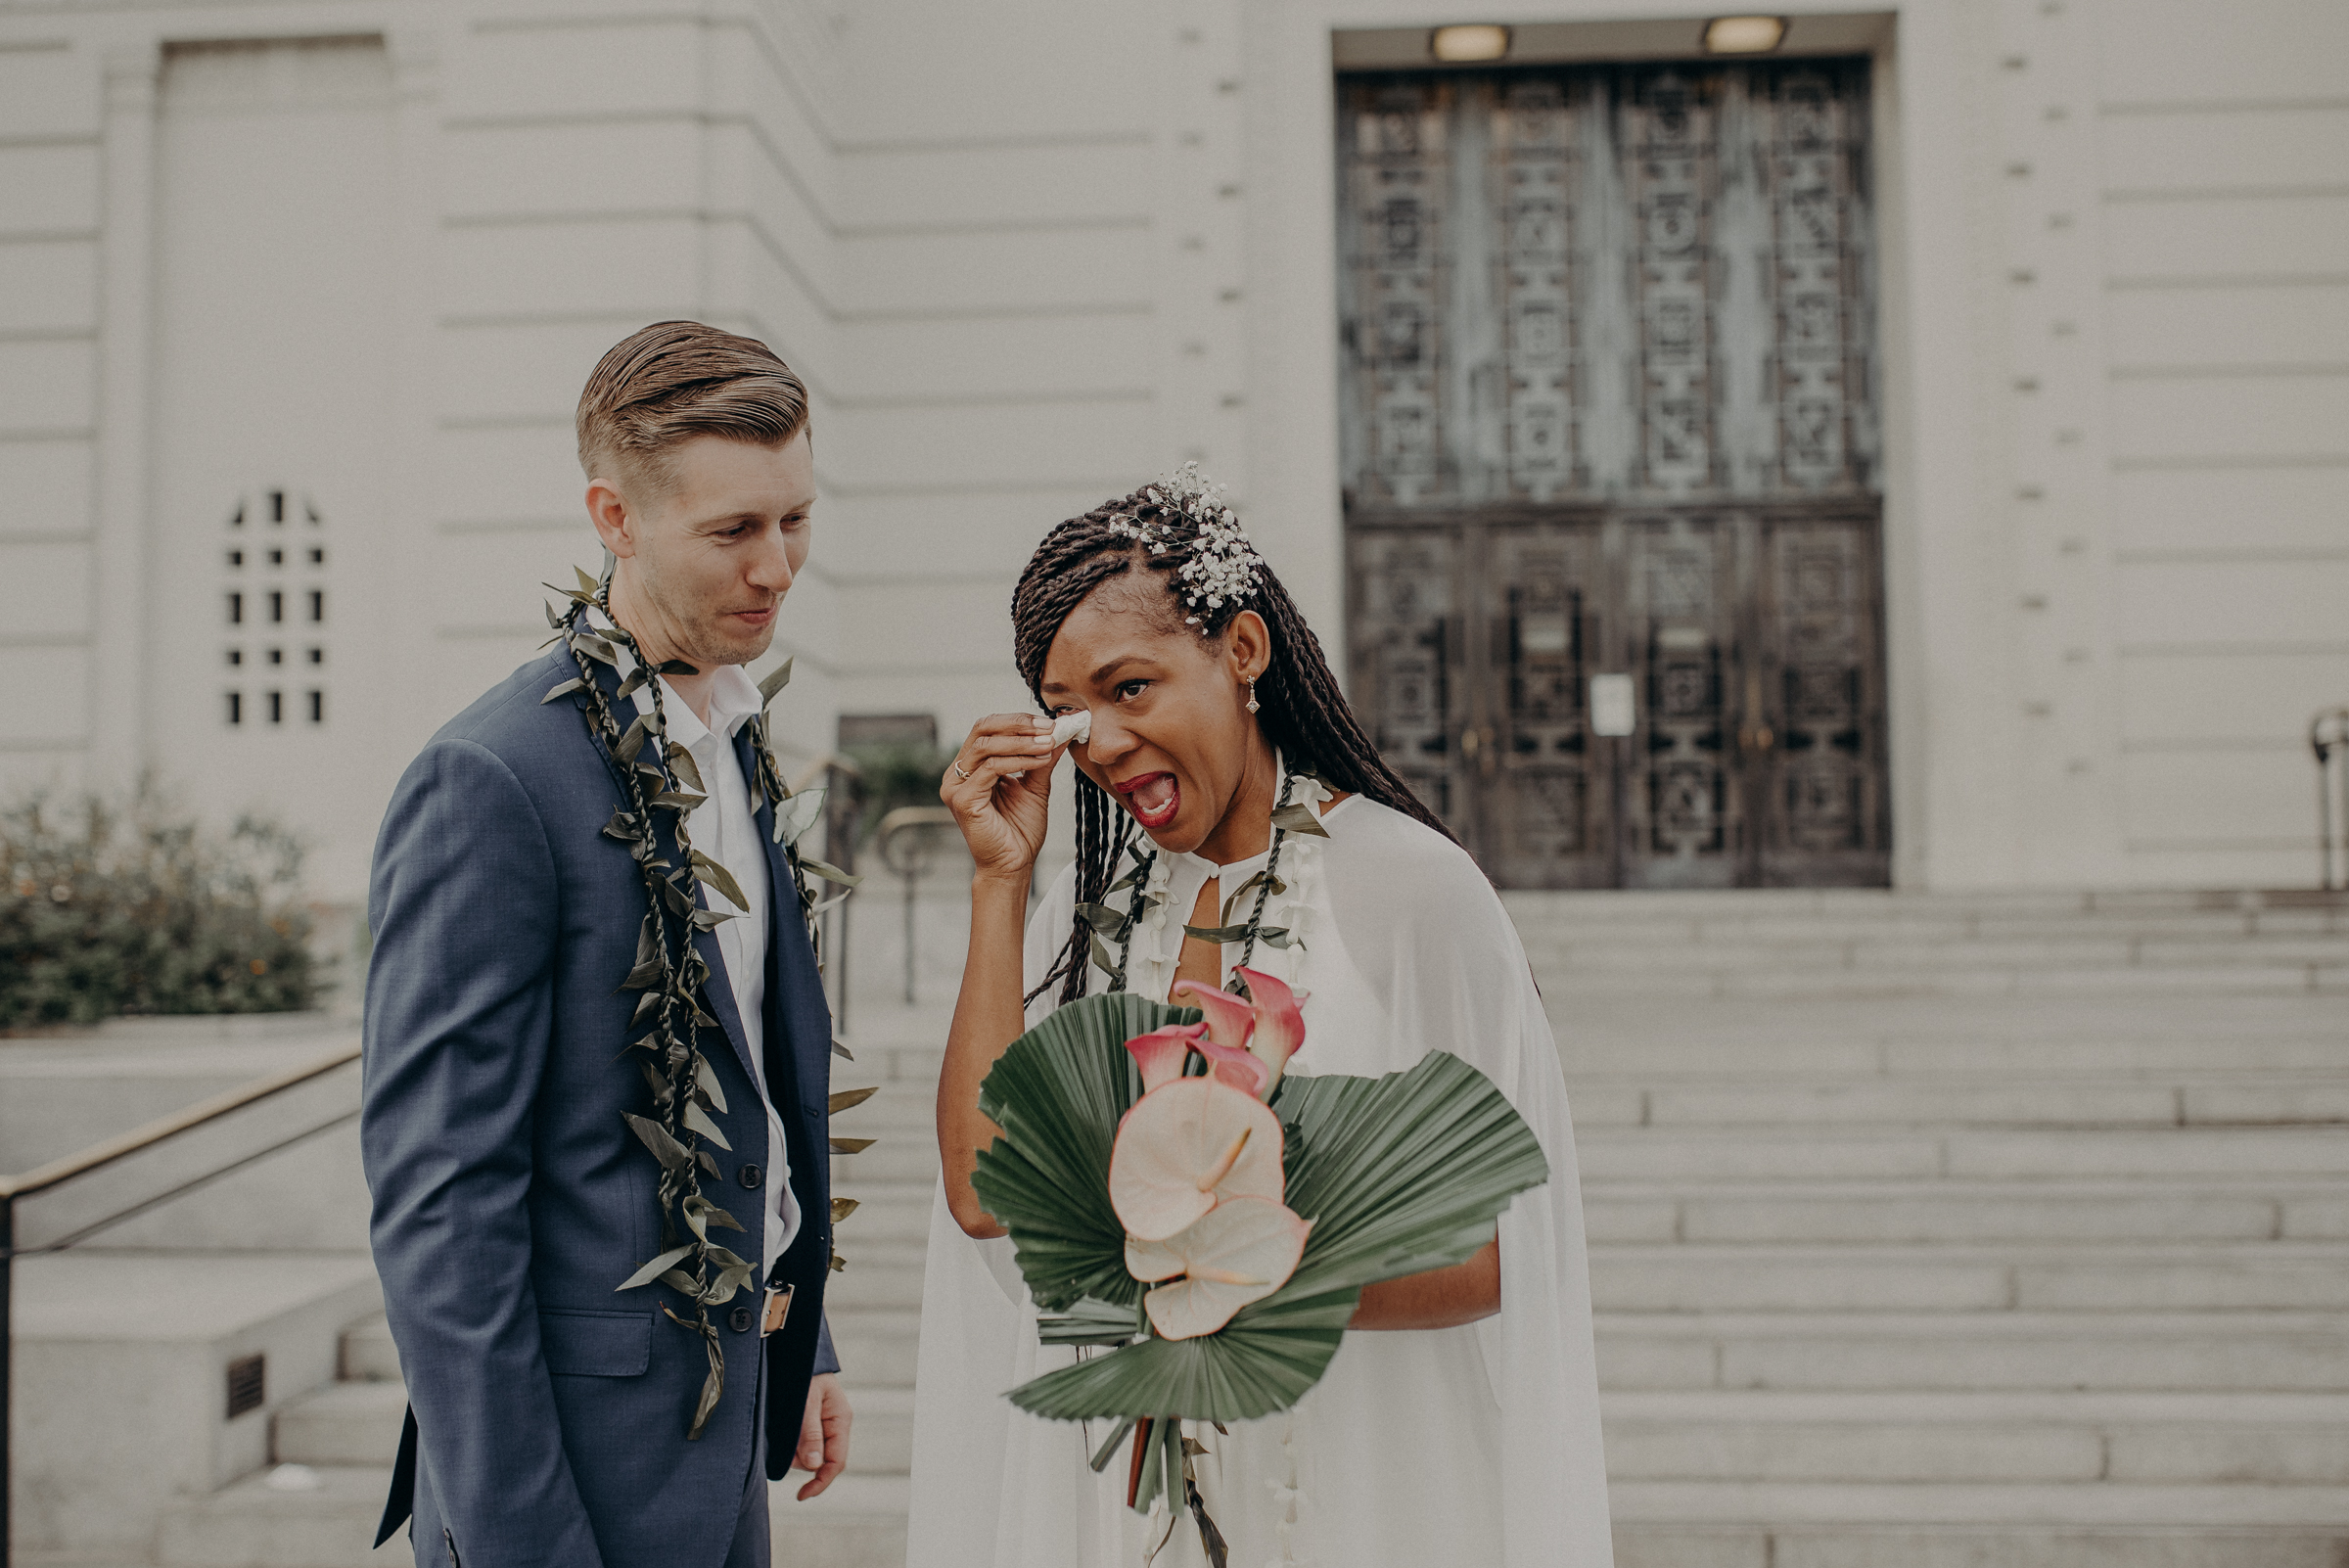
{"x": 515, "y": 1186}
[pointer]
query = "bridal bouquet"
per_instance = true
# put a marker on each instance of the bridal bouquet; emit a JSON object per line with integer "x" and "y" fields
{"x": 1171, "y": 1192}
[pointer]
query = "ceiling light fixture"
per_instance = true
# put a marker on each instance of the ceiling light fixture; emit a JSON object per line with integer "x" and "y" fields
{"x": 1744, "y": 36}
{"x": 1463, "y": 45}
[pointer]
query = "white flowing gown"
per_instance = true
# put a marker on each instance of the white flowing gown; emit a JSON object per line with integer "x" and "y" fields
{"x": 1420, "y": 1448}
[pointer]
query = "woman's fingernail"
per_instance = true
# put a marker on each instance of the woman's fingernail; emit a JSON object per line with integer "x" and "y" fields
{"x": 1042, "y": 722}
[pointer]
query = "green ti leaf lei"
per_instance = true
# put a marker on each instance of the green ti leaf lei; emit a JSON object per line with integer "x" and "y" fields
{"x": 658, "y": 776}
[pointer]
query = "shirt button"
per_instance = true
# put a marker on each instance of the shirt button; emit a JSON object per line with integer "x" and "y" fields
{"x": 749, "y": 1176}
{"x": 741, "y": 1321}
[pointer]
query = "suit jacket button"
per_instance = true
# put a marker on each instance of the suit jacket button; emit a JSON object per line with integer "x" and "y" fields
{"x": 741, "y": 1319}
{"x": 749, "y": 1176}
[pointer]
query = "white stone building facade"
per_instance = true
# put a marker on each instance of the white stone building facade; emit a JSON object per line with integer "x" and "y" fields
{"x": 296, "y": 301}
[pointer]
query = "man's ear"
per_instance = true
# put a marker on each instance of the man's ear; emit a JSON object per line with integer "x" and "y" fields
{"x": 1249, "y": 642}
{"x": 616, "y": 522}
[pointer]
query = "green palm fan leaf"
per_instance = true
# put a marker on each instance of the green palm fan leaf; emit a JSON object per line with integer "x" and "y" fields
{"x": 1398, "y": 1175}
{"x": 1058, "y": 1093}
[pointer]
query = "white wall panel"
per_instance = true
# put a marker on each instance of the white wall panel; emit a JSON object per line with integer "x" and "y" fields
{"x": 1045, "y": 270}
{"x": 2266, "y": 697}
{"x": 919, "y": 188}
{"x": 920, "y": 626}
{"x": 2280, "y": 325}
{"x": 1079, "y": 444}
{"x": 1011, "y": 69}
{"x": 2244, "y": 148}
{"x": 2220, "y": 51}
{"x": 44, "y": 487}
{"x": 2186, "y": 417}
{"x": 523, "y": 370}
{"x": 44, "y": 591}
{"x": 48, "y": 190}
{"x": 48, "y": 285}
{"x": 492, "y": 581}
{"x": 48, "y": 91}
{"x": 504, "y": 474}
{"x": 561, "y": 66}
{"x": 977, "y": 534}
{"x": 49, "y": 700}
{"x": 500, "y": 169}
{"x": 648, "y": 268}
{"x": 1002, "y": 356}
{"x": 2280, "y": 508}
{"x": 2273, "y": 237}
{"x": 2232, "y": 604}
{"x": 2222, "y": 800}
{"x": 47, "y": 387}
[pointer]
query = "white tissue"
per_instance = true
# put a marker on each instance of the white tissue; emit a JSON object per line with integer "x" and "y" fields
{"x": 1077, "y": 726}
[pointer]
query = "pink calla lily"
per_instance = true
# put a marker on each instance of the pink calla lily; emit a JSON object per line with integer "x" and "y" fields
{"x": 1186, "y": 1146}
{"x": 1240, "y": 1251}
{"x": 1279, "y": 1022}
{"x": 1161, "y": 1054}
{"x": 1238, "y": 1068}
{"x": 1272, "y": 1026}
{"x": 1229, "y": 1018}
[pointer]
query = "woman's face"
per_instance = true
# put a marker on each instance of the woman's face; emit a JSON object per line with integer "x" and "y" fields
{"x": 1173, "y": 740}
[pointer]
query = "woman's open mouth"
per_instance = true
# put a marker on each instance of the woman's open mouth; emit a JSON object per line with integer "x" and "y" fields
{"x": 1153, "y": 798}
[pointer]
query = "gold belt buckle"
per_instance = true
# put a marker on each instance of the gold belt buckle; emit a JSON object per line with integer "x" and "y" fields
{"x": 778, "y": 1308}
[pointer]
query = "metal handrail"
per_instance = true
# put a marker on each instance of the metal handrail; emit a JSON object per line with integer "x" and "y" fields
{"x": 2328, "y": 738}
{"x": 918, "y": 821}
{"x": 108, "y": 1151}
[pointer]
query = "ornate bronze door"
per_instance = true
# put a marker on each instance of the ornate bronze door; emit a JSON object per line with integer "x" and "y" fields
{"x": 1609, "y": 410}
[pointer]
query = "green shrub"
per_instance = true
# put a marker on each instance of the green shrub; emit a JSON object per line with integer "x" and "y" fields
{"x": 133, "y": 908}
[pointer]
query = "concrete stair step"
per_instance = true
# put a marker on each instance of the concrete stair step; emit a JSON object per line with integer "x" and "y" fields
{"x": 858, "y": 1522}
{"x": 2079, "y": 1504}
{"x": 119, "y": 1371}
{"x": 1651, "y": 1544}
{"x": 2109, "y": 1350}
{"x": 1697, "y": 1278}
{"x": 2145, "y": 1209}
{"x": 1762, "y": 981}
{"x": 368, "y": 1353}
{"x": 877, "y": 1348}
{"x": 1831, "y": 1152}
{"x": 341, "y": 1424}
{"x": 2159, "y": 1439}
{"x": 896, "y": 1212}
{"x": 251, "y": 1524}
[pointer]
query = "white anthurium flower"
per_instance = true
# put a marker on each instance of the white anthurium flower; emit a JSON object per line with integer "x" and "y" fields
{"x": 1186, "y": 1146}
{"x": 1242, "y": 1250}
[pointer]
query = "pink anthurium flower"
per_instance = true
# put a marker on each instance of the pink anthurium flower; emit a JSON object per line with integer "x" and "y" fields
{"x": 1186, "y": 1146}
{"x": 1242, "y": 1250}
{"x": 1272, "y": 1026}
{"x": 1229, "y": 1018}
{"x": 1238, "y": 1068}
{"x": 1161, "y": 1054}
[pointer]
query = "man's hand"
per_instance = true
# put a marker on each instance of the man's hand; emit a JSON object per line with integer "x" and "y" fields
{"x": 824, "y": 1434}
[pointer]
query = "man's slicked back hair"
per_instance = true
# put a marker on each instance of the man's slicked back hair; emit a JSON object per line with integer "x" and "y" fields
{"x": 672, "y": 381}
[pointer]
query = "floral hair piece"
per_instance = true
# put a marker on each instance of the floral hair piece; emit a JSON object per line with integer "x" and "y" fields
{"x": 1224, "y": 563}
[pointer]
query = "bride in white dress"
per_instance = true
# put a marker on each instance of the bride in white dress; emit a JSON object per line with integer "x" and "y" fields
{"x": 1459, "y": 1422}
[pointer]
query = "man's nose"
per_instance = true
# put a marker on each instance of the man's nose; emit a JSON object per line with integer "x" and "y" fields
{"x": 771, "y": 564}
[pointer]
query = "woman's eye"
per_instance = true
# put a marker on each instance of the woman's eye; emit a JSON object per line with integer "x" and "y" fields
{"x": 1132, "y": 688}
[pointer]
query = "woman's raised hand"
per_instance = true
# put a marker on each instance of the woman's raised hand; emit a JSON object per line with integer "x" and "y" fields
{"x": 1000, "y": 787}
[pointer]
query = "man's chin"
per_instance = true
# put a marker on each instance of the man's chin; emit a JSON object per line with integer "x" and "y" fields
{"x": 727, "y": 645}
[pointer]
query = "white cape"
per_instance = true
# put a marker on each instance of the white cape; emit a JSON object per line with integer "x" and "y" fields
{"x": 1475, "y": 1445}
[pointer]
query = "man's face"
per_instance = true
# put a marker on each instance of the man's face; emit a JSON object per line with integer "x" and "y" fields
{"x": 710, "y": 560}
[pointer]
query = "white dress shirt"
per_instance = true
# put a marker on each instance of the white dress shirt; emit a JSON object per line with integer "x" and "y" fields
{"x": 724, "y": 828}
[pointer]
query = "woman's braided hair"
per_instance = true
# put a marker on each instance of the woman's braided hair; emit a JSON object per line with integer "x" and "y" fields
{"x": 1302, "y": 711}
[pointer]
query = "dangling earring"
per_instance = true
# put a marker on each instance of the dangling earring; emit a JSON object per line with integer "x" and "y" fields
{"x": 1252, "y": 696}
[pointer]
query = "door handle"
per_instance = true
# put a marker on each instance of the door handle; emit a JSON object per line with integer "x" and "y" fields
{"x": 1756, "y": 738}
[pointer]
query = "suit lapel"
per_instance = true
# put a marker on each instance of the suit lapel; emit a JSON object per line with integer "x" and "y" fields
{"x": 795, "y": 997}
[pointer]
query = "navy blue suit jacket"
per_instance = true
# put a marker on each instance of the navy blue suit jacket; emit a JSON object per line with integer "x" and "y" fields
{"x": 548, "y": 1413}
